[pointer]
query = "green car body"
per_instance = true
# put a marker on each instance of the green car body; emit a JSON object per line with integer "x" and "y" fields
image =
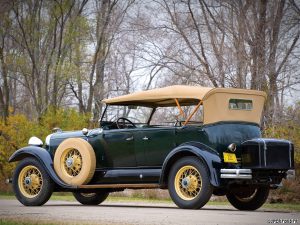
{"x": 114, "y": 152}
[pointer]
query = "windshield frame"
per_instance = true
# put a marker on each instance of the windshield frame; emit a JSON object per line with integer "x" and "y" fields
{"x": 187, "y": 117}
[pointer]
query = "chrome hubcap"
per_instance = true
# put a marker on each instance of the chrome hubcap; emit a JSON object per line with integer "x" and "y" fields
{"x": 27, "y": 181}
{"x": 185, "y": 183}
{"x": 69, "y": 162}
{"x": 72, "y": 162}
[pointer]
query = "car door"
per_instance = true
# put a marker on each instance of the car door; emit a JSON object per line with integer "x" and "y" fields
{"x": 119, "y": 148}
{"x": 152, "y": 145}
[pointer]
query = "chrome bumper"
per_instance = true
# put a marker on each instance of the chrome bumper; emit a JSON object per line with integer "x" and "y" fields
{"x": 236, "y": 173}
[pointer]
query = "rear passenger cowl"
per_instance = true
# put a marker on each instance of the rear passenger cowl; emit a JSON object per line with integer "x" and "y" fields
{"x": 265, "y": 153}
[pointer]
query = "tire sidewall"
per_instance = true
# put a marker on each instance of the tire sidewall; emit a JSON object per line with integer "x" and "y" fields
{"x": 47, "y": 186}
{"x": 96, "y": 199}
{"x": 206, "y": 190}
{"x": 254, "y": 203}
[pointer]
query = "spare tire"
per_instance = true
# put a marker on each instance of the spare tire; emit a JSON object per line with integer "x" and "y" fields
{"x": 75, "y": 161}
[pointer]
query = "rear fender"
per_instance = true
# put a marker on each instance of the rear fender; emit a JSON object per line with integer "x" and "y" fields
{"x": 208, "y": 155}
{"x": 44, "y": 157}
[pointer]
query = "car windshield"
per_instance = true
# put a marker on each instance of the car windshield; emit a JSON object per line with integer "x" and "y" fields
{"x": 136, "y": 114}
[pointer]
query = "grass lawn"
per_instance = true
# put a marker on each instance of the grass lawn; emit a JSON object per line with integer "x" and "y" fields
{"x": 18, "y": 222}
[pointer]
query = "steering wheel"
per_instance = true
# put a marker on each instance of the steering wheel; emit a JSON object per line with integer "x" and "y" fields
{"x": 123, "y": 124}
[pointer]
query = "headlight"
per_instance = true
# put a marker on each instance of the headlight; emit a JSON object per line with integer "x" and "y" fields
{"x": 47, "y": 141}
{"x": 35, "y": 141}
{"x": 232, "y": 147}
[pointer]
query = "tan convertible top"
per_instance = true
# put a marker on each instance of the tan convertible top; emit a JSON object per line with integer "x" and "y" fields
{"x": 165, "y": 96}
{"x": 214, "y": 100}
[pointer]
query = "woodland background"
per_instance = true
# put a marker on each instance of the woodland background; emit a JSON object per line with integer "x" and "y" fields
{"x": 60, "y": 58}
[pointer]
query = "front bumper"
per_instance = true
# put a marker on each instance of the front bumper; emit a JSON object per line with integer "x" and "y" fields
{"x": 236, "y": 173}
{"x": 248, "y": 174}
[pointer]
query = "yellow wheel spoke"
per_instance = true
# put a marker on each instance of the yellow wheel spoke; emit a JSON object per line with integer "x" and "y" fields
{"x": 72, "y": 163}
{"x": 188, "y": 182}
{"x": 30, "y": 181}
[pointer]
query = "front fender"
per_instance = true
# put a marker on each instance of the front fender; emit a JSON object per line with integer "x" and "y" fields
{"x": 44, "y": 157}
{"x": 208, "y": 155}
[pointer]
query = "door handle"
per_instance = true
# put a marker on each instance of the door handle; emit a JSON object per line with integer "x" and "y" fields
{"x": 145, "y": 138}
{"x": 129, "y": 139}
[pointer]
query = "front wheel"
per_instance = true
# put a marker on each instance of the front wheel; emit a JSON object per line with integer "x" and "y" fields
{"x": 189, "y": 184}
{"x": 31, "y": 183}
{"x": 91, "y": 198}
{"x": 248, "y": 198}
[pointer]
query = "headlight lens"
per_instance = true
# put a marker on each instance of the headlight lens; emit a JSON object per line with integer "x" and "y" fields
{"x": 232, "y": 147}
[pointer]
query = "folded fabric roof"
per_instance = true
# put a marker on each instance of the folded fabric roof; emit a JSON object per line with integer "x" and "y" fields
{"x": 186, "y": 95}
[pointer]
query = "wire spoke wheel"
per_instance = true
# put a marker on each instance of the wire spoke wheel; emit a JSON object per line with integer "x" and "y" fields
{"x": 30, "y": 181}
{"x": 188, "y": 182}
{"x": 72, "y": 162}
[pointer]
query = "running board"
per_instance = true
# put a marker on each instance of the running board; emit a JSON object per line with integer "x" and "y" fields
{"x": 95, "y": 186}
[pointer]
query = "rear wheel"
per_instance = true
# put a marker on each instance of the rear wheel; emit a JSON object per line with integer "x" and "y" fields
{"x": 248, "y": 198}
{"x": 31, "y": 183}
{"x": 91, "y": 198}
{"x": 188, "y": 183}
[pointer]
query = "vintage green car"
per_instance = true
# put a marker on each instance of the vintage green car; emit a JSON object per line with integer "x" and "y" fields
{"x": 212, "y": 146}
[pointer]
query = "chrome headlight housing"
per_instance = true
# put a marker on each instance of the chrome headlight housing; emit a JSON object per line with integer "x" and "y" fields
{"x": 47, "y": 141}
{"x": 232, "y": 147}
{"x": 35, "y": 141}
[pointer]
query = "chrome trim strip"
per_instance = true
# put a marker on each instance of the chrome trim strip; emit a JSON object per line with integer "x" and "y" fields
{"x": 265, "y": 151}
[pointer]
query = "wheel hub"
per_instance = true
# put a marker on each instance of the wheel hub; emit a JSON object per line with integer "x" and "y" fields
{"x": 69, "y": 162}
{"x": 27, "y": 181}
{"x": 72, "y": 162}
{"x": 185, "y": 182}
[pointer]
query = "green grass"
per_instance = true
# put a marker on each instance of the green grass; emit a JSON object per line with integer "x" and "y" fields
{"x": 19, "y": 222}
{"x": 283, "y": 206}
{"x": 69, "y": 197}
